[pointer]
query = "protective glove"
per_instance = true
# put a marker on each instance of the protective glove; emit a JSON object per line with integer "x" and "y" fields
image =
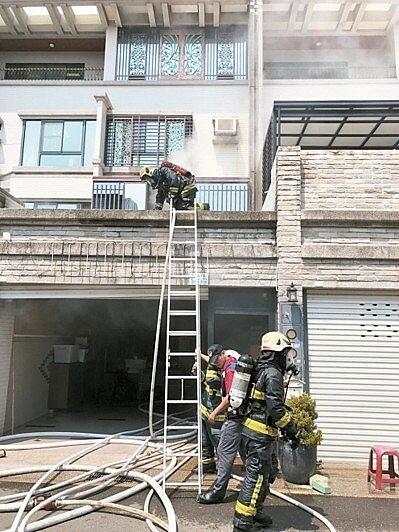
{"x": 292, "y": 434}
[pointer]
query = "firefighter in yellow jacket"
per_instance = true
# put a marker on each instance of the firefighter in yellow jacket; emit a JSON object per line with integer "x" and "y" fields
{"x": 266, "y": 414}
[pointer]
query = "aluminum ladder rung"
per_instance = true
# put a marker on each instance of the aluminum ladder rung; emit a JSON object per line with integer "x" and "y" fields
{"x": 181, "y": 354}
{"x": 182, "y": 313}
{"x": 182, "y": 377}
{"x": 190, "y": 242}
{"x": 184, "y": 226}
{"x": 182, "y": 293}
{"x": 182, "y": 333}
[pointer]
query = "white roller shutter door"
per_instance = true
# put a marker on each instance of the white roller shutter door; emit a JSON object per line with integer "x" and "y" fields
{"x": 353, "y": 342}
{"x": 6, "y": 336}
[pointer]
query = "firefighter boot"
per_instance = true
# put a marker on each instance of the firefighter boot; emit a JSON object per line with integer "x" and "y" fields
{"x": 248, "y": 524}
{"x": 262, "y": 517}
{"x": 203, "y": 206}
{"x": 211, "y": 496}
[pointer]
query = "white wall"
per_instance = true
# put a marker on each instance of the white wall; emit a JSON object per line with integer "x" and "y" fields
{"x": 7, "y": 314}
{"x": 31, "y": 389}
{"x": 90, "y": 59}
{"x": 203, "y": 102}
{"x": 52, "y": 185}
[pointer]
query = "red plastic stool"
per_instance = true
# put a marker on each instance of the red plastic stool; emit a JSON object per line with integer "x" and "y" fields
{"x": 377, "y": 475}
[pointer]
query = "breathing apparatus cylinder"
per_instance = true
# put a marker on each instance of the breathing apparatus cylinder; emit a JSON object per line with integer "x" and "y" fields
{"x": 242, "y": 376}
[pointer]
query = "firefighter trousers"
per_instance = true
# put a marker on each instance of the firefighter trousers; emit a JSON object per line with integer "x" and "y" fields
{"x": 255, "y": 485}
{"x": 210, "y": 442}
{"x": 229, "y": 444}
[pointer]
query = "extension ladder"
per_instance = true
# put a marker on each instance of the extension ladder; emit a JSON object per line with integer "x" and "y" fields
{"x": 182, "y": 338}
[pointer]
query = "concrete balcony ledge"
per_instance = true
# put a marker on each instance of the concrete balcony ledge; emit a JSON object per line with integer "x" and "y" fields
{"x": 388, "y": 217}
{"x": 150, "y": 218}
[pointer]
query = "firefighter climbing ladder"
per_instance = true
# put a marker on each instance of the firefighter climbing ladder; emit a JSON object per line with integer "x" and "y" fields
{"x": 182, "y": 389}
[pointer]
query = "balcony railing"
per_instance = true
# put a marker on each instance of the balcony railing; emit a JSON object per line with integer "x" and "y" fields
{"x": 325, "y": 70}
{"x": 224, "y": 196}
{"x": 220, "y": 196}
{"x": 45, "y": 73}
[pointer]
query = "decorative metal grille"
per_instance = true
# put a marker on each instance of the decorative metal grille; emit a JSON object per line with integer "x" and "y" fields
{"x": 224, "y": 196}
{"x": 138, "y": 140}
{"x": 212, "y": 53}
{"x": 108, "y": 196}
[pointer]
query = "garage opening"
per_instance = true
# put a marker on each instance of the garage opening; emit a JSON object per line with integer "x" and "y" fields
{"x": 85, "y": 365}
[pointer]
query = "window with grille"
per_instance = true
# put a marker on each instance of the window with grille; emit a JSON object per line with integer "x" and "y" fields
{"x": 211, "y": 53}
{"x": 139, "y": 141}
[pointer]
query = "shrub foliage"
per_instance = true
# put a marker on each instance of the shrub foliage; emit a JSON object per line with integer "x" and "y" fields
{"x": 304, "y": 413}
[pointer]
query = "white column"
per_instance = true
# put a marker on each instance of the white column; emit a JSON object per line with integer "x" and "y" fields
{"x": 111, "y": 39}
{"x": 395, "y": 32}
{"x": 103, "y": 105}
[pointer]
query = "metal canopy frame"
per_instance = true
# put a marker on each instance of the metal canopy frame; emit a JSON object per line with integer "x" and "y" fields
{"x": 350, "y": 125}
{"x": 344, "y": 125}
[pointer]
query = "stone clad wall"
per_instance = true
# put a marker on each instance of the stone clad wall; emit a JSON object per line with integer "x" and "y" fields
{"x": 344, "y": 234}
{"x": 350, "y": 180}
{"x": 110, "y": 248}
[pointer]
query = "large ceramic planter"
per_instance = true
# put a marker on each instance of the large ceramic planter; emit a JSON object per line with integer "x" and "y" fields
{"x": 298, "y": 464}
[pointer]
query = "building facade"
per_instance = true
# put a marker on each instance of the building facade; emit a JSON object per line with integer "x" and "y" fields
{"x": 288, "y": 116}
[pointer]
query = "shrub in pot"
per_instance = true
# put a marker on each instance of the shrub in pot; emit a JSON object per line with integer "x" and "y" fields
{"x": 298, "y": 464}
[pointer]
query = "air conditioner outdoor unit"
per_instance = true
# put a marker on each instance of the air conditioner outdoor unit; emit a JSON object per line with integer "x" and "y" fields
{"x": 225, "y": 127}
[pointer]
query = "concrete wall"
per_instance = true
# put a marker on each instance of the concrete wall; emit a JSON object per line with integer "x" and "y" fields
{"x": 204, "y": 101}
{"x": 7, "y": 315}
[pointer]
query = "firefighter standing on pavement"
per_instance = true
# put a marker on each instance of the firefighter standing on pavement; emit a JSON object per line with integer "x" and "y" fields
{"x": 267, "y": 413}
{"x": 230, "y": 435}
{"x": 211, "y": 397}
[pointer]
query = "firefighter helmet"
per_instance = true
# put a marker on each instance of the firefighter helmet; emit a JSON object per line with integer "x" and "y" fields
{"x": 274, "y": 341}
{"x": 145, "y": 172}
{"x": 213, "y": 352}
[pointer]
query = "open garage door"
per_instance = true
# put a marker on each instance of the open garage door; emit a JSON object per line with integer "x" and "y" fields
{"x": 6, "y": 334}
{"x": 353, "y": 350}
{"x": 80, "y": 364}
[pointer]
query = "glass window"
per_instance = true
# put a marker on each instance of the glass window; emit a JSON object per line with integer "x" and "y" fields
{"x": 58, "y": 142}
{"x": 31, "y": 143}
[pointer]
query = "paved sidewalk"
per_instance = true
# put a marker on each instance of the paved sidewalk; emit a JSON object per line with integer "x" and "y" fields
{"x": 353, "y": 506}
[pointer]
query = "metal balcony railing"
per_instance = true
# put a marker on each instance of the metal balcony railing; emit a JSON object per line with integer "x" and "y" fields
{"x": 108, "y": 196}
{"x": 224, "y": 196}
{"x": 220, "y": 196}
{"x": 51, "y": 73}
{"x": 327, "y": 70}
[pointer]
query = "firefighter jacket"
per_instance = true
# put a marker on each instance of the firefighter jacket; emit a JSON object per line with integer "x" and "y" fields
{"x": 211, "y": 395}
{"x": 172, "y": 185}
{"x": 266, "y": 409}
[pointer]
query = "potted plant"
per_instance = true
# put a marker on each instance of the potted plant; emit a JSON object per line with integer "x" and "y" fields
{"x": 298, "y": 464}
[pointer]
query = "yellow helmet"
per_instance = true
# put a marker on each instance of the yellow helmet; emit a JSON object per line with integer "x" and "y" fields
{"x": 274, "y": 341}
{"x": 146, "y": 172}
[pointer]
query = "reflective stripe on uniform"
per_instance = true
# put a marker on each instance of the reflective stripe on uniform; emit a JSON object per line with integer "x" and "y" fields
{"x": 211, "y": 374}
{"x": 260, "y": 396}
{"x": 259, "y": 427}
{"x": 207, "y": 461}
{"x": 243, "y": 509}
{"x": 173, "y": 191}
{"x": 283, "y": 421}
{"x": 255, "y": 494}
{"x": 212, "y": 392}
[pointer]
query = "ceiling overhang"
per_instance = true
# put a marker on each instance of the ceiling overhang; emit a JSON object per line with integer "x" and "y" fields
{"x": 74, "y": 18}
